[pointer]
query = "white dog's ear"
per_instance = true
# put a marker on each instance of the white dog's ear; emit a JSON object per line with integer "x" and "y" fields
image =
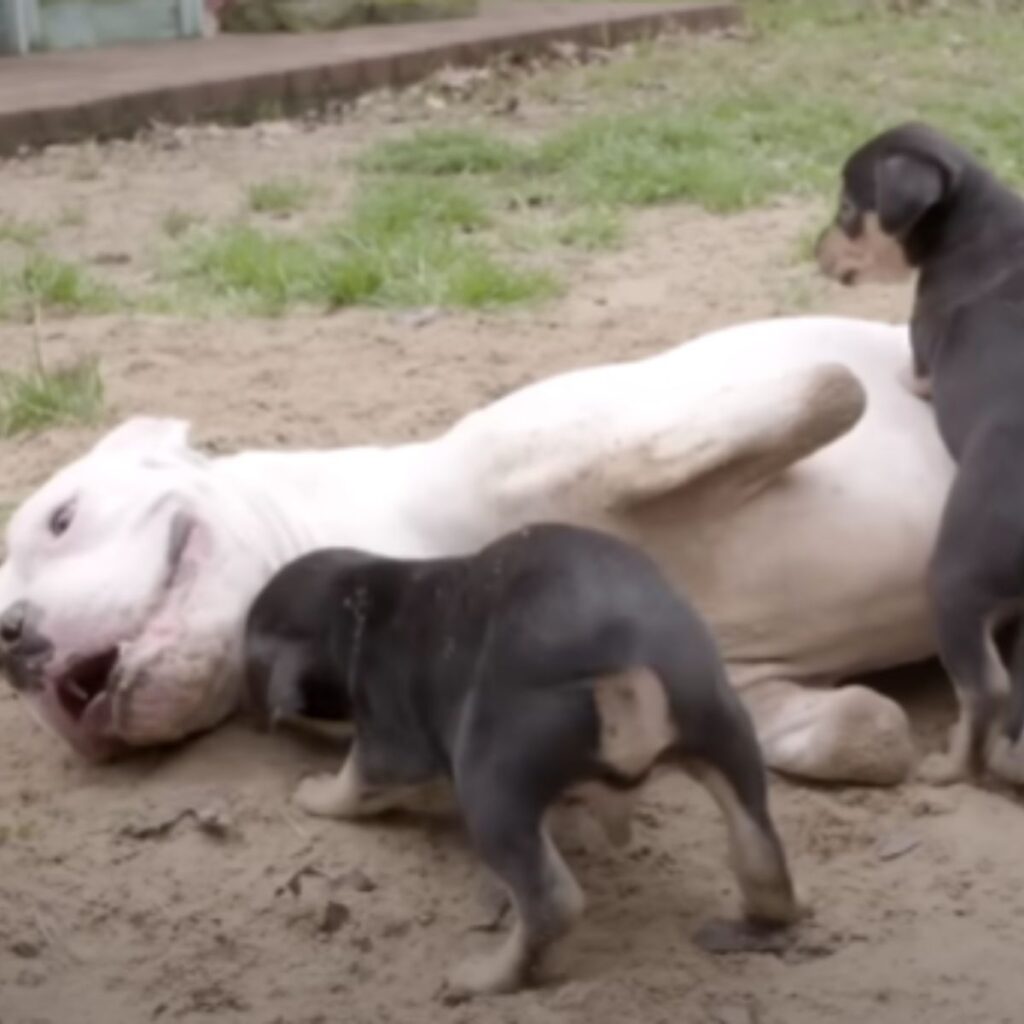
{"x": 150, "y": 435}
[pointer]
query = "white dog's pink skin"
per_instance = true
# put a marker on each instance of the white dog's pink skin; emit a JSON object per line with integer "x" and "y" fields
{"x": 744, "y": 461}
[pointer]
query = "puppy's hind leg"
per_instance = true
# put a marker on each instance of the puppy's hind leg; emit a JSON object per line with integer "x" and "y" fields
{"x": 969, "y": 656}
{"x": 756, "y": 852}
{"x": 973, "y": 576}
{"x": 719, "y": 748}
{"x": 1006, "y": 752}
{"x": 508, "y": 832}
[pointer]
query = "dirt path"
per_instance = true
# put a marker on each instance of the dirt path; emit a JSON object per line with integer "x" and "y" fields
{"x": 113, "y": 911}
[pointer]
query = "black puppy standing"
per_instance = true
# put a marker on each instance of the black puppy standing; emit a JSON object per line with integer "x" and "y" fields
{"x": 913, "y": 200}
{"x": 554, "y": 660}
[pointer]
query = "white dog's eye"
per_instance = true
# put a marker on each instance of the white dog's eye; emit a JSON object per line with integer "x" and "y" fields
{"x": 61, "y": 518}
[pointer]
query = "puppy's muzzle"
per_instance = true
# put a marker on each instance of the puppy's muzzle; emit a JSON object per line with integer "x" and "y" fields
{"x": 835, "y": 256}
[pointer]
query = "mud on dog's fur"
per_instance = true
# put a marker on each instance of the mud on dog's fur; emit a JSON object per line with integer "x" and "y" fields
{"x": 912, "y": 200}
{"x": 554, "y": 660}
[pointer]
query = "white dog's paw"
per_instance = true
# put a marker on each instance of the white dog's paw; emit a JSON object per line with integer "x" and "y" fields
{"x": 318, "y": 795}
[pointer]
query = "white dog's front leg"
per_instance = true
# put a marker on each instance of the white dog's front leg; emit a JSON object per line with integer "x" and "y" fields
{"x": 848, "y": 734}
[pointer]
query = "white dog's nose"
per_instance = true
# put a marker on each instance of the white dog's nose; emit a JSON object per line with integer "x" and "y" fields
{"x": 12, "y": 623}
{"x": 20, "y": 638}
{"x": 23, "y": 649}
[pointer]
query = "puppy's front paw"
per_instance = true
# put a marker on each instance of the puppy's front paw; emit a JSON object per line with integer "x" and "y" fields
{"x": 1006, "y": 760}
{"x": 318, "y": 794}
{"x": 490, "y": 974}
{"x": 919, "y": 386}
{"x": 721, "y": 936}
{"x": 495, "y": 905}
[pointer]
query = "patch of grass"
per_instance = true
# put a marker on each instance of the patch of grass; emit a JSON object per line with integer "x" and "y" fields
{"x": 476, "y": 280}
{"x": 405, "y": 243}
{"x": 730, "y": 146}
{"x": 419, "y": 237}
{"x": 725, "y": 156}
{"x": 266, "y": 274}
{"x": 280, "y": 196}
{"x": 402, "y": 206}
{"x": 648, "y": 159}
{"x": 20, "y": 232}
{"x": 257, "y": 272}
{"x": 46, "y": 284}
{"x": 175, "y": 222}
{"x": 593, "y": 228}
{"x": 723, "y": 123}
{"x": 59, "y": 286}
{"x": 444, "y": 151}
{"x": 728, "y": 124}
{"x": 39, "y": 398}
{"x": 431, "y": 269}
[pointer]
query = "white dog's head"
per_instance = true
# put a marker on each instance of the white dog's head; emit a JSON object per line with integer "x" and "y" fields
{"x": 125, "y": 585}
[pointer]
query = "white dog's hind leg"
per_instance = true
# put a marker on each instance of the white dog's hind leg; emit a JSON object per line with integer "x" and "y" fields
{"x": 849, "y": 734}
{"x": 593, "y": 450}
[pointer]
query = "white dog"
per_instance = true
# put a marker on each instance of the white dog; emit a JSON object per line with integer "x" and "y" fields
{"x": 777, "y": 469}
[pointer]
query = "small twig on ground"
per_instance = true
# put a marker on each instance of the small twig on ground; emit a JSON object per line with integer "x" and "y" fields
{"x": 54, "y": 938}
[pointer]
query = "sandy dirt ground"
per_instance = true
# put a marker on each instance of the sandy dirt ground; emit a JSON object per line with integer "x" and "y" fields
{"x": 181, "y": 886}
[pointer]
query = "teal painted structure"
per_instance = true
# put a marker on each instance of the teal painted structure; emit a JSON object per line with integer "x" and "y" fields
{"x": 33, "y": 25}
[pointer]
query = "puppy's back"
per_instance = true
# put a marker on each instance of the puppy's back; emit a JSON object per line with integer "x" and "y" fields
{"x": 578, "y": 602}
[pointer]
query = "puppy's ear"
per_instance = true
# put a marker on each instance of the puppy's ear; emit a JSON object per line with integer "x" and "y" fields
{"x": 907, "y": 186}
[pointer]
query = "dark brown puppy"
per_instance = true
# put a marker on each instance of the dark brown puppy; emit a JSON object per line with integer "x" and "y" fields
{"x": 912, "y": 200}
{"x": 555, "y": 660}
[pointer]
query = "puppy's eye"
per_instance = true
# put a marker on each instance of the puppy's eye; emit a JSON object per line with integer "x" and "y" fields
{"x": 61, "y": 518}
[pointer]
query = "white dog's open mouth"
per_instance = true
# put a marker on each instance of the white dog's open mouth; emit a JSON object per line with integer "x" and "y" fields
{"x": 85, "y": 682}
{"x": 78, "y": 703}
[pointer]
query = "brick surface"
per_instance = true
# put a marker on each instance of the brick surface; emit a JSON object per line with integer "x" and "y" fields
{"x": 61, "y": 97}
